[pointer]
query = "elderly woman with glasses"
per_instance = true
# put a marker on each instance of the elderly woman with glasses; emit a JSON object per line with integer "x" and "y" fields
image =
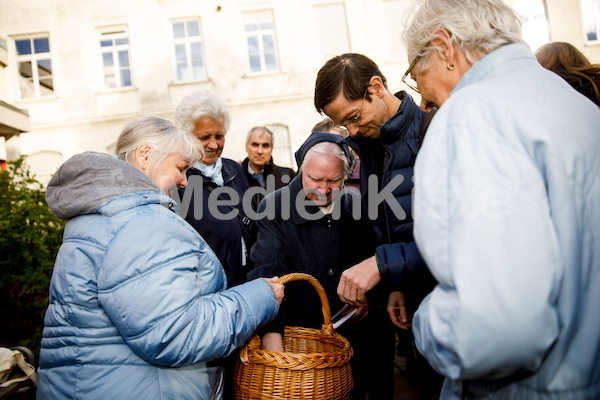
{"x": 507, "y": 188}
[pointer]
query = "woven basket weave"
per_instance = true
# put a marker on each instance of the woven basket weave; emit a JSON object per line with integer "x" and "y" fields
{"x": 315, "y": 364}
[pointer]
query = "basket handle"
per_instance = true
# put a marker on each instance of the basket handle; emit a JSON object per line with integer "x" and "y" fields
{"x": 296, "y": 276}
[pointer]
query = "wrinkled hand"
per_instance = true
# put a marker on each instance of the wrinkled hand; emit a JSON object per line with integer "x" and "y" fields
{"x": 357, "y": 281}
{"x": 278, "y": 288}
{"x": 396, "y": 308}
{"x": 272, "y": 341}
{"x": 360, "y": 313}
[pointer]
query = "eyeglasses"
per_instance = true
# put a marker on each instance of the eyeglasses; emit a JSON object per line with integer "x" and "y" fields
{"x": 407, "y": 78}
{"x": 354, "y": 121}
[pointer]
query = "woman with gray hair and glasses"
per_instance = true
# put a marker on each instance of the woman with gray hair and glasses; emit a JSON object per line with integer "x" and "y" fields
{"x": 216, "y": 179}
{"x": 507, "y": 188}
{"x": 215, "y": 194}
{"x": 138, "y": 301}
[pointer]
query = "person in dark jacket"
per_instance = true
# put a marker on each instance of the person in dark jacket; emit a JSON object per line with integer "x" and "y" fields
{"x": 259, "y": 165}
{"x": 327, "y": 125}
{"x": 214, "y": 180}
{"x": 385, "y": 131}
{"x": 316, "y": 240}
{"x": 214, "y": 202}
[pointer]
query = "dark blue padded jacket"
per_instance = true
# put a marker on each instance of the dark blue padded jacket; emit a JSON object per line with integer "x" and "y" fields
{"x": 391, "y": 158}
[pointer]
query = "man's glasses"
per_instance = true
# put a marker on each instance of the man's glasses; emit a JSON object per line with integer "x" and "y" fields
{"x": 407, "y": 78}
{"x": 354, "y": 121}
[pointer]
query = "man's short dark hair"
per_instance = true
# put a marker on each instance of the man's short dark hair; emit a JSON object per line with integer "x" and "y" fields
{"x": 349, "y": 74}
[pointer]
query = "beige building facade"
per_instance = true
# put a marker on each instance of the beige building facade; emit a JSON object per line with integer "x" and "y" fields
{"x": 74, "y": 72}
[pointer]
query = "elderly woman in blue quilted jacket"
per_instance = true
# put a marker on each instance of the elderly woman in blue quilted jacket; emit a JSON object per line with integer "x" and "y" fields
{"x": 138, "y": 301}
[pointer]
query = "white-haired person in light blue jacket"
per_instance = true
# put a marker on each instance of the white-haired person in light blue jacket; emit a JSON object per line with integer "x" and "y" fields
{"x": 138, "y": 301}
{"x": 507, "y": 210}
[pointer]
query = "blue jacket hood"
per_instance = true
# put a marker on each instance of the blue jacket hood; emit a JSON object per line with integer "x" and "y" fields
{"x": 317, "y": 137}
{"x": 88, "y": 180}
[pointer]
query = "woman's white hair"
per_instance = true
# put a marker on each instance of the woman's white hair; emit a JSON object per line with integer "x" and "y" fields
{"x": 477, "y": 27}
{"x": 198, "y": 104}
{"x": 164, "y": 137}
{"x": 329, "y": 149}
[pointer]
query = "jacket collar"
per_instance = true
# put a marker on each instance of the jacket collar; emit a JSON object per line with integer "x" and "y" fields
{"x": 495, "y": 63}
{"x": 227, "y": 171}
{"x": 395, "y": 127}
{"x": 268, "y": 169}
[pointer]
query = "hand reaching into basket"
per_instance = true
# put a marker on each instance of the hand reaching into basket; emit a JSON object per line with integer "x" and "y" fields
{"x": 272, "y": 341}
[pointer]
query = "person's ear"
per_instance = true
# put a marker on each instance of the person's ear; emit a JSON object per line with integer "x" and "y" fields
{"x": 376, "y": 88}
{"x": 142, "y": 156}
{"x": 442, "y": 42}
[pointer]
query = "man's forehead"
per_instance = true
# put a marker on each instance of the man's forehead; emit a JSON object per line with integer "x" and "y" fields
{"x": 260, "y": 137}
{"x": 320, "y": 164}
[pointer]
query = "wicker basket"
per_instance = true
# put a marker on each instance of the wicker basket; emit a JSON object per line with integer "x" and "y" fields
{"x": 315, "y": 364}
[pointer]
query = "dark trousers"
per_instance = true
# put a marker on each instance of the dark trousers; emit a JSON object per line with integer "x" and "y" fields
{"x": 418, "y": 370}
{"x": 373, "y": 340}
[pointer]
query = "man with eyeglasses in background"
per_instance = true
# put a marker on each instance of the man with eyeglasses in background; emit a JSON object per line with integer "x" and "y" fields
{"x": 386, "y": 131}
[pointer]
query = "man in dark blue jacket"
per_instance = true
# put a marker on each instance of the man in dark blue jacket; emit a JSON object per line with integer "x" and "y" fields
{"x": 386, "y": 131}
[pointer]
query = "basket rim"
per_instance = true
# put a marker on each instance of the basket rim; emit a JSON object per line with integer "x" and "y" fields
{"x": 253, "y": 354}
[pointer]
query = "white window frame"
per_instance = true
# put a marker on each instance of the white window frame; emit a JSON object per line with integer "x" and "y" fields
{"x": 116, "y": 33}
{"x": 43, "y": 164}
{"x": 34, "y": 58}
{"x": 282, "y": 148}
{"x": 187, "y": 41}
{"x": 261, "y": 19}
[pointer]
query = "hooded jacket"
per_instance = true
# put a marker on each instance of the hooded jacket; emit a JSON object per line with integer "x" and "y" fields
{"x": 137, "y": 298}
{"x": 317, "y": 137}
{"x": 312, "y": 242}
{"x": 324, "y": 245}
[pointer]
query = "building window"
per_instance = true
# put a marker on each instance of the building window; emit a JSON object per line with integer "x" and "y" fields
{"x": 114, "y": 45}
{"x": 262, "y": 46}
{"x": 282, "y": 149}
{"x": 591, "y": 19}
{"x": 34, "y": 66}
{"x": 189, "y": 58}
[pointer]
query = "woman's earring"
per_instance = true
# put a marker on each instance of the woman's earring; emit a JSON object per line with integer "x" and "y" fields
{"x": 450, "y": 67}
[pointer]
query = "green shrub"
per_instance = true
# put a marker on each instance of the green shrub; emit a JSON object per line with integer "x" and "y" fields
{"x": 30, "y": 236}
